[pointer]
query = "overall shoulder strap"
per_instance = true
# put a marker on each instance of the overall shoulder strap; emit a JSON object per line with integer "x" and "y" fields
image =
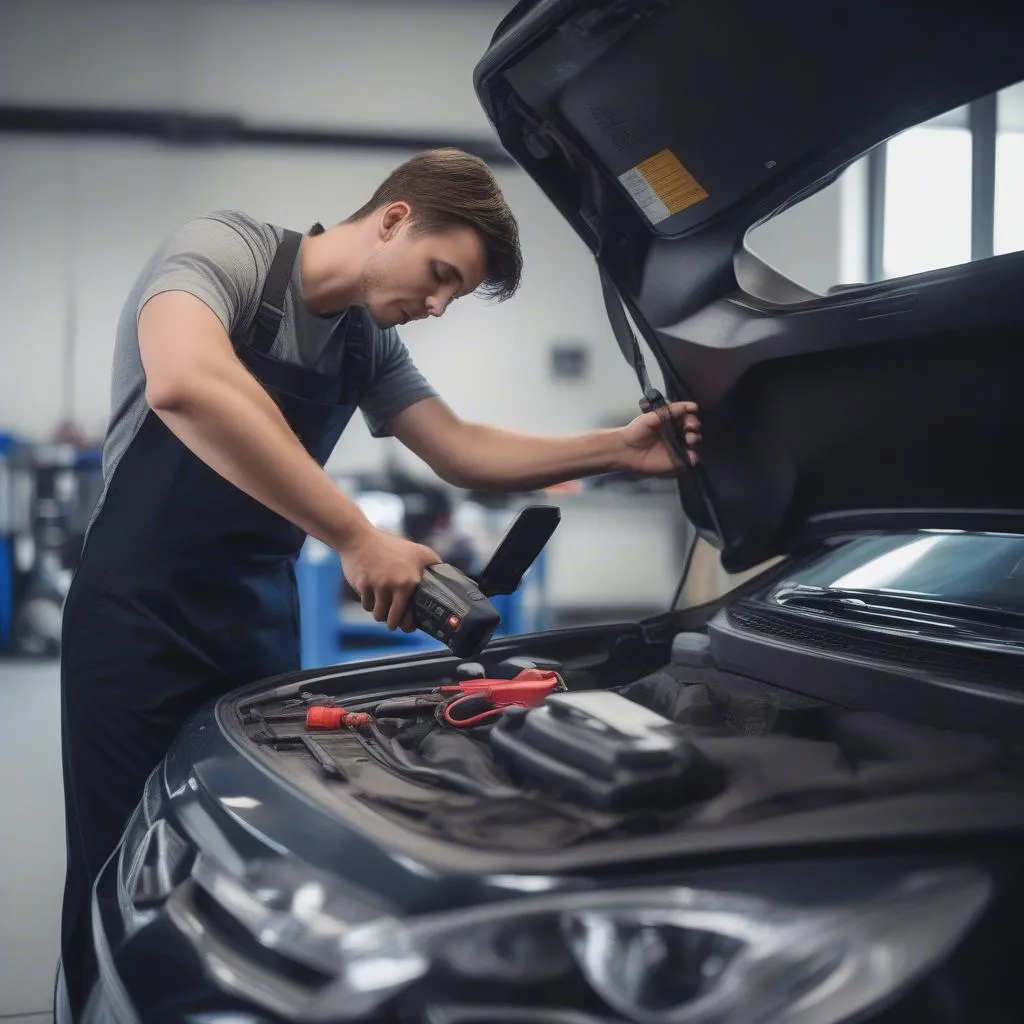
{"x": 271, "y": 311}
{"x": 355, "y": 354}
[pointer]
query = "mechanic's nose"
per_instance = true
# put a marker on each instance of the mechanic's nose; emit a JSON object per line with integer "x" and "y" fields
{"x": 436, "y": 305}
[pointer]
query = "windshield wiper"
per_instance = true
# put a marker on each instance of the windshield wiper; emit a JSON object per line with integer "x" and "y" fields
{"x": 908, "y": 608}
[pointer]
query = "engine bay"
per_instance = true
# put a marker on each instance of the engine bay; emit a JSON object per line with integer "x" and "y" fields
{"x": 533, "y": 754}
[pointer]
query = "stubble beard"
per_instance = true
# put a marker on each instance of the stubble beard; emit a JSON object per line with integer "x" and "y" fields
{"x": 373, "y": 282}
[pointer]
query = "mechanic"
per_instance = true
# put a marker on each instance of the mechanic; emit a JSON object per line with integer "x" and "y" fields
{"x": 241, "y": 353}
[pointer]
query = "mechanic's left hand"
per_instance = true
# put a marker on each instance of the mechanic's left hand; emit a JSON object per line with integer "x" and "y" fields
{"x": 647, "y": 453}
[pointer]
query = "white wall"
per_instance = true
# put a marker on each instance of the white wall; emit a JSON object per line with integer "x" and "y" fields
{"x": 401, "y": 63}
{"x": 80, "y": 216}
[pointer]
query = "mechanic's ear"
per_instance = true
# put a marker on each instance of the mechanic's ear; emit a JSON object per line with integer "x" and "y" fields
{"x": 394, "y": 215}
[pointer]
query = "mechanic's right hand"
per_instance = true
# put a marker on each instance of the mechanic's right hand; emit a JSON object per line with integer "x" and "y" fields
{"x": 385, "y": 570}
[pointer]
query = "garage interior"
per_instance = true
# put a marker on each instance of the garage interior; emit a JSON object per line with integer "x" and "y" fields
{"x": 129, "y": 118}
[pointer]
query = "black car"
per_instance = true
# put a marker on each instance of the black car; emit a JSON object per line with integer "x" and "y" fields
{"x": 801, "y": 802}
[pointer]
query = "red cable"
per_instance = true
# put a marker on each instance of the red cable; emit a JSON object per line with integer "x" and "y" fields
{"x": 463, "y": 723}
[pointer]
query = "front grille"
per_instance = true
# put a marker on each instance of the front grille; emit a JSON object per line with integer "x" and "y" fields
{"x": 906, "y": 653}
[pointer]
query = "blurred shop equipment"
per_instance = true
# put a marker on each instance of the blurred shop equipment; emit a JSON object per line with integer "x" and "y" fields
{"x": 618, "y": 552}
{"x": 47, "y": 493}
{"x": 587, "y": 574}
{"x": 336, "y": 628}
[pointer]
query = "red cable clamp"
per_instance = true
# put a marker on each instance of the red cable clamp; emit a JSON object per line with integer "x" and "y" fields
{"x": 320, "y": 717}
{"x": 529, "y": 689}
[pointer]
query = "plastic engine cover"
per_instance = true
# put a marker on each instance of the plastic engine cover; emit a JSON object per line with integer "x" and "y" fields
{"x": 602, "y": 750}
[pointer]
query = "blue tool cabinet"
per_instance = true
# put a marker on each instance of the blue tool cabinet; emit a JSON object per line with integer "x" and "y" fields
{"x": 6, "y": 590}
{"x": 6, "y": 541}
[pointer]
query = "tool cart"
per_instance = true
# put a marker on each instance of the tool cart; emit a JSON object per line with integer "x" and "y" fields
{"x": 47, "y": 493}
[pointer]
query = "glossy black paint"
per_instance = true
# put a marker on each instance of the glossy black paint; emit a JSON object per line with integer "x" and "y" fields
{"x": 167, "y": 985}
{"x": 235, "y": 810}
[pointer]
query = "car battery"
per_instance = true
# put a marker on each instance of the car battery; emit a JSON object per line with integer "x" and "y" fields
{"x": 602, "y": 750}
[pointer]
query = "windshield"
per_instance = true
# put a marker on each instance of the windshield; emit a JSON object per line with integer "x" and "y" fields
{"x": 982, "y": 570}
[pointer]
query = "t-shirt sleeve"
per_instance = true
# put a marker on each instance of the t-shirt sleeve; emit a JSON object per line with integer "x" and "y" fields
{"x": 212, "y": 261}
{"x": 395, "y": 383}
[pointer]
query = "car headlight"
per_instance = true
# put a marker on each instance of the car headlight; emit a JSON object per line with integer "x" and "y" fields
{"x": 665, "y": 955}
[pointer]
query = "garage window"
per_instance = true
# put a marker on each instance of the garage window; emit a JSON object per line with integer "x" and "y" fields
{"x": 941, "y": 194}
{"x": 928, "y": 198}
{"x": 1009, "y": 186}
{"x": 949, "y": 191}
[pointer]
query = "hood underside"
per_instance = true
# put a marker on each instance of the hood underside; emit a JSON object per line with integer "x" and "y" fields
{"x": 663, "y": 130}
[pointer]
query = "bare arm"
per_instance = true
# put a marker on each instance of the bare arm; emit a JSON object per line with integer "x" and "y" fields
{"x": 476, "y": 455}
{"x": 197, "y": 385}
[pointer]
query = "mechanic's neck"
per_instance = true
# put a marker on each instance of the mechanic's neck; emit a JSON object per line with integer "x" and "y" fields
{"x": 331, "y": 266}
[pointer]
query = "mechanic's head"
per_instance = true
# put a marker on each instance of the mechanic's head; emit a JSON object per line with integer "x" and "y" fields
{"x": 441, "y": 229}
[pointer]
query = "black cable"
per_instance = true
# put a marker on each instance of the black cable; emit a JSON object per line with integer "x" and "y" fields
{"x": 687, "y": 562}
{"x": 385, "y": 756}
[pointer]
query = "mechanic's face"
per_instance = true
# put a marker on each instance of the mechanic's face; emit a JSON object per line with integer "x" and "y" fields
{"x": 410, "y": 276}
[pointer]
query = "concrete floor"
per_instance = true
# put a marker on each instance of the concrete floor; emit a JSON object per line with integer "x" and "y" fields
{"x": 31, "y": 839}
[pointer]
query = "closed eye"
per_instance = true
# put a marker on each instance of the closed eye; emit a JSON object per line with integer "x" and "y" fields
{"x": 445, "y": 273}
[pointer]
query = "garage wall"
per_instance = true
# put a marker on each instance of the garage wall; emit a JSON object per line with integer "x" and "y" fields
{"x": 80, "y": 219}
{"x": 80, "y": 216}
{"x": 402, "y": 63}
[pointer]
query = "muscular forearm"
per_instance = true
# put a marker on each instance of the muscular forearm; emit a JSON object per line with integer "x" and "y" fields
{"x": 228, "y": 420}
{"x": 505, "y": 460}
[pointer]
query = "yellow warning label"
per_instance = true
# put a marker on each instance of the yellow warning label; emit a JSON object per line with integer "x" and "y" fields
{"x": 662, "y": 186}
{"x": 673, "y": 184}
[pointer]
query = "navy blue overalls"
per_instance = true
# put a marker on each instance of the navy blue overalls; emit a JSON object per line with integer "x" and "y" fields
{"x": 185, "y": 590}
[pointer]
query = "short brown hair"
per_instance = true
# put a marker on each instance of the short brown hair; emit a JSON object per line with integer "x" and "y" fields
{"x": 447, "y": 188}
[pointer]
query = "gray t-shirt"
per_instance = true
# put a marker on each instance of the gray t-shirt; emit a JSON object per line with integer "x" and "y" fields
{"x": 223, "y": 259}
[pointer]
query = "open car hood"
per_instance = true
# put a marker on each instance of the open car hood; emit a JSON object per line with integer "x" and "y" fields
{"x": 663, "y": 130}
